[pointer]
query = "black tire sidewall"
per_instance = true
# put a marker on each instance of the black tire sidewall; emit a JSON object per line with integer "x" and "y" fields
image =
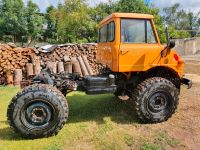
{"x": 149, "y": 87}
{"x": 156, "y": 87}
{"x": 40, "y": 92}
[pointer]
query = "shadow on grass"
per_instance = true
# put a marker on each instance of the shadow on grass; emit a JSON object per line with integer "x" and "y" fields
{"x": 3, "y": 122}
{"x": 84, "y": 108}
{"x": 8, "y": 134}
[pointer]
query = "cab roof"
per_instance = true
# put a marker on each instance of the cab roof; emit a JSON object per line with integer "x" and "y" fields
{"x": 127, "y": 15}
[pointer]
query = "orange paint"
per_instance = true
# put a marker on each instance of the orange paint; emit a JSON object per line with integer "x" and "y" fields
{"x": 134, "y": 57}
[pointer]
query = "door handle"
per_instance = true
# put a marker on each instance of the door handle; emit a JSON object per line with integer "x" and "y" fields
{"x": 123, "y": 52}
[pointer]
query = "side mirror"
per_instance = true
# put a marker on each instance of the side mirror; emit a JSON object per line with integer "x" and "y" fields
{"x": 167, "y": 34}
{"x": 171, "y": 44}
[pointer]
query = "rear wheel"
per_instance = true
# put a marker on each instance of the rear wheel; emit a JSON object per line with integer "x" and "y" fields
{"x": 156, "y": 99}
{"x": 38, "y": 111}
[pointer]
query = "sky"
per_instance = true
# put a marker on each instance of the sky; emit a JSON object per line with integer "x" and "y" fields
{"x": 192, "y": 5}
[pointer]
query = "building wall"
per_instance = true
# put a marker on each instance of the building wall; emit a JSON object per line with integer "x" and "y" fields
{"x": 189, "y": 46}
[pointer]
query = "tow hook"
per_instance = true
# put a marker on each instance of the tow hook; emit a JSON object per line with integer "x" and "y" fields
{"x": 187, "y": 82}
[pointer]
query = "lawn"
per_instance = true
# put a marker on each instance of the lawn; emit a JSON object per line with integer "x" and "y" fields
{"x": 95, "y": 122}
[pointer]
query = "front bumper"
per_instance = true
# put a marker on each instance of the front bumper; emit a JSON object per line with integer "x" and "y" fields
{"x": 187, "y": 82}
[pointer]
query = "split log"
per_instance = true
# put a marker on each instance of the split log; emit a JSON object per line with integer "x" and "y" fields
{"x": 17, "y": 77}
{"x": 83, "y": 67}
{"x": 76, "y": 67}
{"x": 60, "y": 67}
{"x": 66, "y": 58}
{"x": 74, "y": 59}
{"x": 37, "y": 68}
{"x": 29, "y": 69}
{"x": 52, "y": 66}
{"x": 9, "y": 77}
{"x": 68, "y": 67}
{"x": 85, "y": 60}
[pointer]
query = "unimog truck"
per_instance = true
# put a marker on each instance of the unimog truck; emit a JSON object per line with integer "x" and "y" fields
{"x": 140, "y": 70}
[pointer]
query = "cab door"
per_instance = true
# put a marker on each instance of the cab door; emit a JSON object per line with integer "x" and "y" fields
{"x": 139, "y": 46}
{"x": 106, "y": 39}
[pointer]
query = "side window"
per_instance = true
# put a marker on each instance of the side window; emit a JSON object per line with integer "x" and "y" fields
{"x": 133, "y": 31}
{"x": 150, "y": 33}
{"x": 107, "y": 33}
{"x": 103, "y": 34}
{"x": 111, "y": 32}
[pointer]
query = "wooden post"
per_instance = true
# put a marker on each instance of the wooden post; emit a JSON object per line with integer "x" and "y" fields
{"x": 17, "y": 77}
{"x": 29, "y": 69}
{"x": 37, "y": 68}
{"x": 68, "y": 67}
{"x": 60, "y": 67}
{"x": 83, "y": 67}
{"x": 9, "y": 77}
{"x": 76, "y": 67}
{"x": 52, "y": 66}
{"x": 87, "y": 65}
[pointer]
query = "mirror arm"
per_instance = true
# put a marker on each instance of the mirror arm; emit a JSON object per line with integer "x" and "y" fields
{"x": 163, "y": 53}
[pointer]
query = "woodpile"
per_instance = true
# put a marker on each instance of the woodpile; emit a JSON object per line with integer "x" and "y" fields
{"x": 12, "y": 58}
{"x": 27, "y": 62}
{"x": 67, "y": 53}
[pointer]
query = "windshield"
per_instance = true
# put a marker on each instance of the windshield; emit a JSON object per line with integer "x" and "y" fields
{"x": 137, "y": 31}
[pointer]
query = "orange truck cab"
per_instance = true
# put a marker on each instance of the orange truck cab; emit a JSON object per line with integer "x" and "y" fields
{"x": 129, "y": 43}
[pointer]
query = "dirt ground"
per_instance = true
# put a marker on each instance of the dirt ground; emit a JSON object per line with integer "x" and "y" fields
{"x": 186, "y": 125}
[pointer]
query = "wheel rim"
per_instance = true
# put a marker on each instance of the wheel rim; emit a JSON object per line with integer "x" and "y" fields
{"x": 159, "y": 102}
{"x": 38, "y": 114}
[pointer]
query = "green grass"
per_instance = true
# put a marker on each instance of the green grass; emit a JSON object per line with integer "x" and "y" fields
{"x": 95, "y": 122}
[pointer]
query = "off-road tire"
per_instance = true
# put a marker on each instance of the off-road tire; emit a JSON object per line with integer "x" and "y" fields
{"x": 118, "y": 92}
{"x": 38, "y": 111}
{"x": 155, "y": 99}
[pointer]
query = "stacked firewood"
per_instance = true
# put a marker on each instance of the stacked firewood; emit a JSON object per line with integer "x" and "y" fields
{"x": 24, "y": 63}
{"x": 12, "y": 58}
{"x": 71, "y": 52}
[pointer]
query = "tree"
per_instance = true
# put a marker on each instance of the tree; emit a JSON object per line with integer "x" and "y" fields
{"x": 74, "y": 22}
{"x": 50, "y": 34}
{"x": 194, "y": 23}
{"x": 20, "y": 22}
{"x": 182, "y": 21}
{"x": 134, "y": 6}
{"x": 101, "y": 11}
{"x": 12, "y": 19}
{"x": 35, "y": 22}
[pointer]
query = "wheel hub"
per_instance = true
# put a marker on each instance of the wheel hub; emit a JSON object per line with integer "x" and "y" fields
{"x": 38, "y": 113}
{"x": 158, "y": 102}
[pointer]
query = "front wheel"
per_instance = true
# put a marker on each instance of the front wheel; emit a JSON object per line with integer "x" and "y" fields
{"x": 156, "y": 99}
{"x": 38, "y": 111}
